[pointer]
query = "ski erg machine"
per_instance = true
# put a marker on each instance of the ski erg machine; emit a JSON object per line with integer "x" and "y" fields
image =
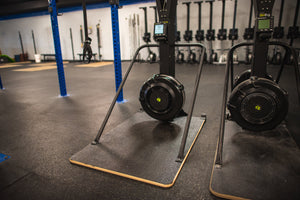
{"x": 251, "y": 139}
{"x": 162, "y": 96}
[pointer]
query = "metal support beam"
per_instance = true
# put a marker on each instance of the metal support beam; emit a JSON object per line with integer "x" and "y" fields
{"x": 59, "y": 62}
{"x": 117, "y": 51}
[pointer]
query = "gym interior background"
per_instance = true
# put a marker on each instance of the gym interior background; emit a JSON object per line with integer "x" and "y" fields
{"x": 40, "y": 131}
{"x": 100, "y": 13}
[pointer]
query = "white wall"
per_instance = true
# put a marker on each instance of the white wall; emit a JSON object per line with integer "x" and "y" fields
{"x": 41, "y": 25}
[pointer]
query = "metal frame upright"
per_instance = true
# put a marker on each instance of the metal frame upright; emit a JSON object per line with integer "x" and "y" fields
{"x": 59, "y": 62}
{"x": 167, "y": 12}
{"x": 114, "y": 4}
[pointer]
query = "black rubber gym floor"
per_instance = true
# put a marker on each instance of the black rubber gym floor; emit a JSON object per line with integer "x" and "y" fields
{"x": 40, "y": 131}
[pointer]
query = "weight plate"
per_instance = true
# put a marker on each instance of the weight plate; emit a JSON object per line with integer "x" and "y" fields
{"x": 162, "y": 97}
{"x": 258, "y": 104}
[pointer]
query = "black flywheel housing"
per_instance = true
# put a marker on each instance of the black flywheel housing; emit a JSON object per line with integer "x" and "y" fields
{"x": 258, "y": 104}
{"x": 162, "y": 97}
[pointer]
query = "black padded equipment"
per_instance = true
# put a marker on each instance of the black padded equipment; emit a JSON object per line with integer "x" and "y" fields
{"x": 162, "y": 97}
{"x": 180, "y": 57}
{"x": 258, "y": 104}
{"x": 246, "y": 75}
{"x": 152, "y": 57}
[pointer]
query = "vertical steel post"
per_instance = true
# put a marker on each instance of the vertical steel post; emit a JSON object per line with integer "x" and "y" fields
{"x": 98, "y": 40}
{"x": 72, "y": 45}
{"x": 21, "y": 42}
{"x": 35, "y": 52}
{"x": 117, "y": 51}
{"x": 58, "y": 56}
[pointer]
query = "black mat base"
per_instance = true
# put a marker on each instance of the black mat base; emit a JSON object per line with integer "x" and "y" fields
{"x": 142, "y": 149}
{"x": 257, "y": 166}
{"x": 9, "y": 174}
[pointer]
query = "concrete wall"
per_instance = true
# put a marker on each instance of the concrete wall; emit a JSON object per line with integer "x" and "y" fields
{"x": 41, "y": 25}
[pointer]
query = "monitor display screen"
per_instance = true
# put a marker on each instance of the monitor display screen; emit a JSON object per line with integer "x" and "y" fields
{"x": 159, "y": 29}
{"x": 264, "y": 24}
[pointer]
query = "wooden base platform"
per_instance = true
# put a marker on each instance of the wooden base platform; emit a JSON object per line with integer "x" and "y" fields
{"x": 142, "y": 149}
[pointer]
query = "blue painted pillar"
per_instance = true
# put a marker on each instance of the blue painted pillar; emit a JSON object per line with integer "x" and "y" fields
{"x": 59, "y": 61}
{"x": 117, "y": 51}
{"x": 1, "y": 86}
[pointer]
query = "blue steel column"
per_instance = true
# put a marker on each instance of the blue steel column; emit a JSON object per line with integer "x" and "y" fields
{"x": 59, "y": 62}
{"x": 1, "y": 86}
{"x": 117, "y": 51}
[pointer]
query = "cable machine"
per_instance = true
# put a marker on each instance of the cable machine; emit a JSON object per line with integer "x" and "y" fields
{"x": 249, "y": 35}
{"x": 155, "y": 17}
{"x": 210, "y": 35}
{"x": 233, "y": 33}
{"x": 293, "y": 33}
{"x": 147, "y": 38}
{"x": 180, "y": 54}
{"x": 278, "y": 34}
{"x": 188, "y": 35}
{"x": 200, "y": 32}
{"x": 222, "y": 35}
